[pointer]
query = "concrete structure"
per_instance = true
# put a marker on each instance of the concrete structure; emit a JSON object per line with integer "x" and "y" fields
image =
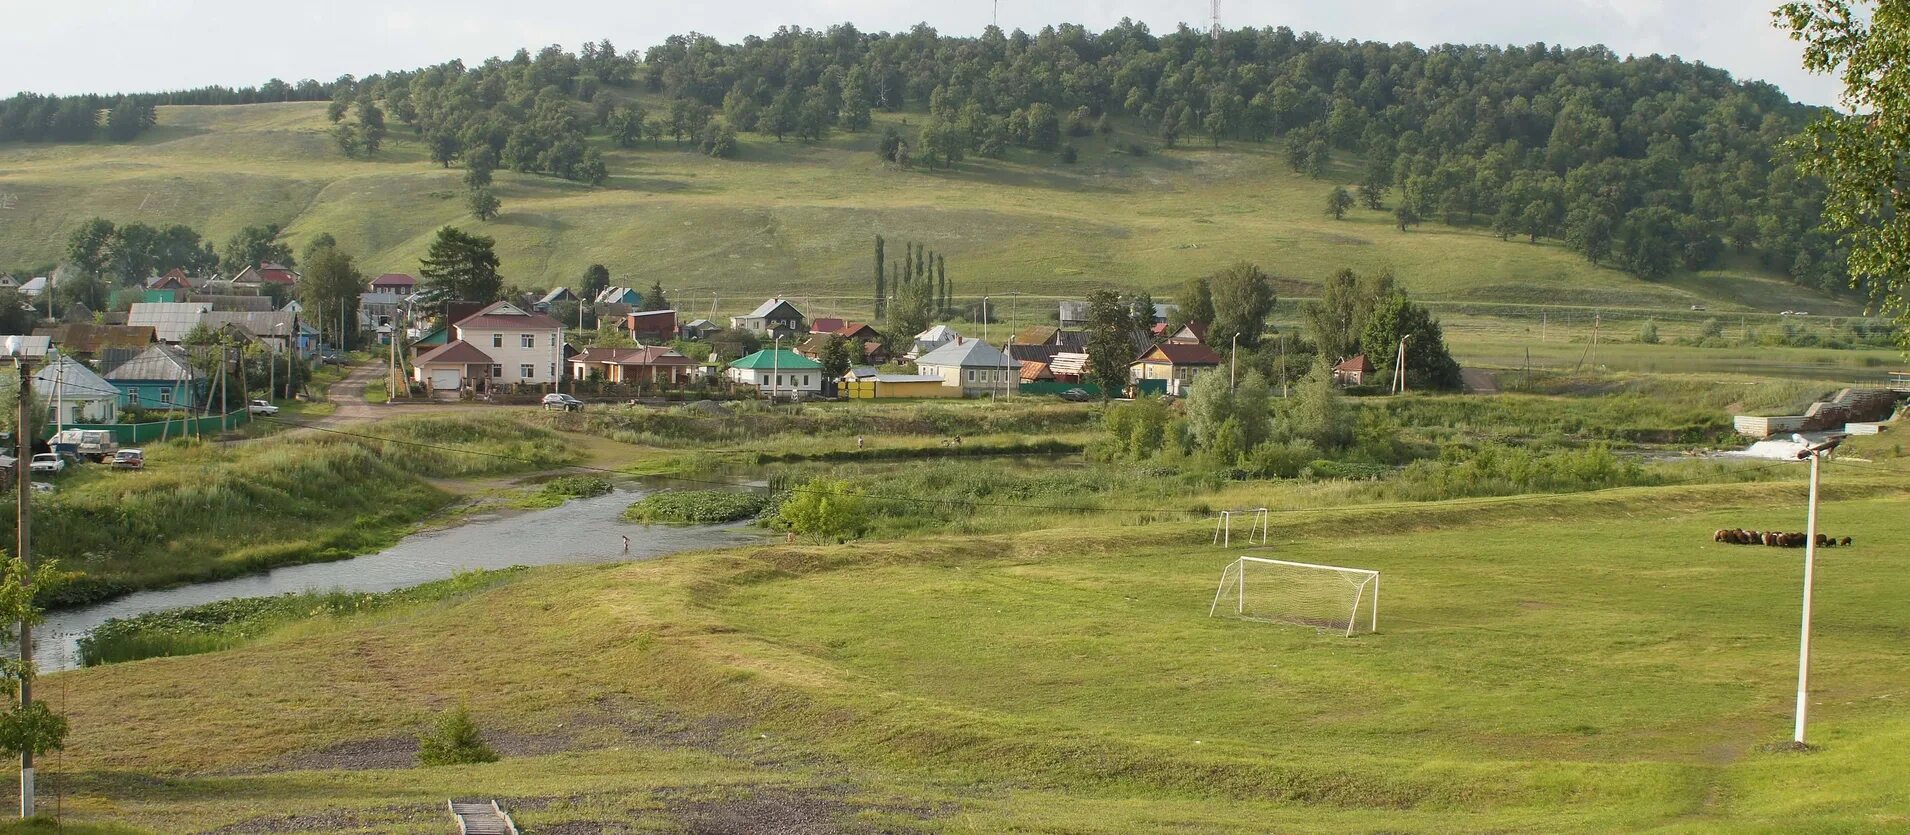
{"x": 500, "y": 344}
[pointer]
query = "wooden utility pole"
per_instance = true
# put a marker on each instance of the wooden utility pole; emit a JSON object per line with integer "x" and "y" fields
{"x": 23, "y": 494}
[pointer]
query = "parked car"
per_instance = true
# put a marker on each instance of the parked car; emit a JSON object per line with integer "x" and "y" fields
{"x": 1077, "y": 395}
{"x": 47, "y": 462}
{"x": 562, "y": 401}
{"x": 129, "y": 459}
{"x": 263, "y": 407}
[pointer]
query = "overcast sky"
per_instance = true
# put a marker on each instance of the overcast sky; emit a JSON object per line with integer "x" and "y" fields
{"x": 142, "y": 45}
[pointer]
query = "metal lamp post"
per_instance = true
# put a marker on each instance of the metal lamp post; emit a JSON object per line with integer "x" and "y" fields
{"x": 1233, "y": 362}
{"x": 1816, "y": 455}
{"x": 1399, "y": 367}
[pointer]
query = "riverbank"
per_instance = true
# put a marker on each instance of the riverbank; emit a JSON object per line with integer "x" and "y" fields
{"x": 203, "y": 512}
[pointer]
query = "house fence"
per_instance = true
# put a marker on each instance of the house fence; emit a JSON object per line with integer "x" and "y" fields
{"x": 139, "y": 433}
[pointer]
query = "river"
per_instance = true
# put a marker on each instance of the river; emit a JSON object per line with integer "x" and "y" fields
{"x": 579, "y": 531}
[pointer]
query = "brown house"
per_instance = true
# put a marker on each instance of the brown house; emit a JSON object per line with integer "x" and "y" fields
{"x": 1176, "y": 362}
{"x": 651, "y": 325}
{"x": 648, "y": 364}
{"x": 1353, "y": 371}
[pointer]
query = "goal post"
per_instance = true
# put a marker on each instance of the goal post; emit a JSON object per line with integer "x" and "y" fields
{"x": 1325, "y": 597}
{"x": 1257, "y": 531}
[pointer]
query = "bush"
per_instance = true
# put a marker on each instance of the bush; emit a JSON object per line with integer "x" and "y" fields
{"x": 454, "y": 740}
{"x": 696, "y": 507}
{"x": 1069, "y": 154}
{"x": 1648, "y": 334}
{"x": 576, "y": 486}
{"x": 825, "y": 508}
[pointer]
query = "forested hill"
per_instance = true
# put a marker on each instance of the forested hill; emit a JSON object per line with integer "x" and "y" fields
{"x": 1652, "y": 165}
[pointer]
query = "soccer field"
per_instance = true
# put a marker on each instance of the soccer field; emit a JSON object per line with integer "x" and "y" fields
{"x": 1588, "y": 662}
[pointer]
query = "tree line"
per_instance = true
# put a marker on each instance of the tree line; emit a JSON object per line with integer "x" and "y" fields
{"x": 30, "y": 117}
{"x": 1650, "y": 164}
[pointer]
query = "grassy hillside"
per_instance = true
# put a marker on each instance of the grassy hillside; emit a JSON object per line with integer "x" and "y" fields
{"x": 799, "y": 219}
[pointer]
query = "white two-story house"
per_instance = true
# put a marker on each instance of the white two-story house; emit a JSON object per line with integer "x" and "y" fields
{"x": 499, "y": 345}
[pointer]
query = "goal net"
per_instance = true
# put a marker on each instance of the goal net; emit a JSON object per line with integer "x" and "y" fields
{"x": 1325, "y": 597}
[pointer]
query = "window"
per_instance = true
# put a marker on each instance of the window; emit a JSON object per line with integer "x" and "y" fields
{"x": 497, "y": 372}
{"x": 526, "y": 340}
{"x": 165, "y": 397}
{"x": 553, "y": 340}
{"x": 779, "y": 379}
{"x": 805, "y": 379}
{"x": 553, "y": 370}
{"x": 497, "y": 340}
{"x": 971, "y": 375}
{"x": 526, "y": 371}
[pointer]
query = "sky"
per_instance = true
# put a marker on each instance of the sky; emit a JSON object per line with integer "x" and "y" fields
{"x": 146, "y": 45}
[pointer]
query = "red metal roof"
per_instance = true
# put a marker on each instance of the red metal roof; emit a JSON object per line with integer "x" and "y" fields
{"x": 1357, "y": 362}
{"x": 393, "y": 280}
{"x": 826, "y": 324}
{"x": 459, "y": 353}
{"x": 489, "y": 317}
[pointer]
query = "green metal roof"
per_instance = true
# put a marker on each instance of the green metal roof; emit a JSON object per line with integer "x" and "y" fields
{"x": 436, "y": 337}
{"x": 784, "y": 359}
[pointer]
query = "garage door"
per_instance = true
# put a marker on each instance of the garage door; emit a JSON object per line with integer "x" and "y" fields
{"x": 446, "y": 379}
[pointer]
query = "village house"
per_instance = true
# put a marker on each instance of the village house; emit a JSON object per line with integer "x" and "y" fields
{"x": 397, "y": 284}
{"x": 88, "y": 342}
{"x": 698, "y": 329}
{"x": 775, "y": 317}
{"x": 499, "y": 344}
{"x": 75, "y": 394}
{"x": 160, "y": 377}
{"x": 560, "y": 294}
{"x": 277, "y": 330}
{"x": 778, "y": 372}
{"x": 1176, "y": 362}
{"x": 973, "y": 366}
{"x": 659, "y": 364}
{"x": 267, "y": 274}
{"x": 931, "y": 339}
{"x": 651, "y": 325}
{"x": 619, "y": 295}
{"x": 1353, "y": 370}
{"x": 170, "y": 321}
{"x": 1192, "y": 332}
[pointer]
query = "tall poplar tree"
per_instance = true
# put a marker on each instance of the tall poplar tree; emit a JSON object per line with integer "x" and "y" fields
{"x": 881, "y": 291}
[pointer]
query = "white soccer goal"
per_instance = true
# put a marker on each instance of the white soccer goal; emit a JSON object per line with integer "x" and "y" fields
{"x": 1256, "y": 531}
{"x": 1326, "y": 597}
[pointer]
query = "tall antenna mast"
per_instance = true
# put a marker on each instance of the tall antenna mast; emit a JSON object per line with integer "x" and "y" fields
{"x": 1214, "y": 29}
{"x": 995, "y": 19}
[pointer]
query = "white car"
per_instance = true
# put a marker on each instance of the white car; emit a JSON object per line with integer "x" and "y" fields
{"x": 563, "y": 402}
{"x": 263, "y": 407}
{"x": 47, "y": 462}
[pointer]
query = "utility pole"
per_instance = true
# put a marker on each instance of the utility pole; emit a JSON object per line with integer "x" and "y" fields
{"x": 1816, "y": 455}
{"x": 23, "y": 493}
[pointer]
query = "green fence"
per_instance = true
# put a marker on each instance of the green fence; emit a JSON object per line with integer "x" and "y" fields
{"x": 139, "y": 433}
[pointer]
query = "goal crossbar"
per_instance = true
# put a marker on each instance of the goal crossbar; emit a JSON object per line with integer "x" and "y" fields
{"x": 1236, "y": 571}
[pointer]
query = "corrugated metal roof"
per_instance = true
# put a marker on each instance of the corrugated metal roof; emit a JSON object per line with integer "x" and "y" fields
{"x": 159, "y": 362}
{"x": 967, "y": 353}
{"x": 171, "y": 321}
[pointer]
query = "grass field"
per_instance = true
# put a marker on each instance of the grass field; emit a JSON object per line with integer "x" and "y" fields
{"x": 1584, "y": 662}
{"x": 799, "y": 219}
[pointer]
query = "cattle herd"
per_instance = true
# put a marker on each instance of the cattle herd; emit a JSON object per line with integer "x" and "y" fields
{"x": 1775, "y": 539}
